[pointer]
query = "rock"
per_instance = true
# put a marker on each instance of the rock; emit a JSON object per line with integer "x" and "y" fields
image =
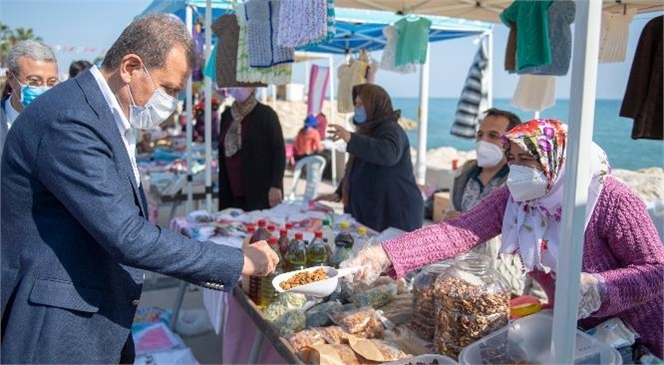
{"x": 647, "y": 184}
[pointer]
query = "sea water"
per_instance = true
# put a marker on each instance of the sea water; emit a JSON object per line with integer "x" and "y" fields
{"x": 611, "y": 132}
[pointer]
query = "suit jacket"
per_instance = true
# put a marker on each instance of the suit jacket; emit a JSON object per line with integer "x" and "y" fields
{"x": 75, "y": 234}
{"x": 263, "y": 157}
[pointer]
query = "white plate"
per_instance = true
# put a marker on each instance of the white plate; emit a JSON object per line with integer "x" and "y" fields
{"x": 321, "y": 288}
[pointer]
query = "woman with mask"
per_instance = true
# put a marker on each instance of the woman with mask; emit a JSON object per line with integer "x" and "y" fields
{"x": 623, "y": 257}
{"x": 252, "y": 156}
{"x": 379, "y": 188}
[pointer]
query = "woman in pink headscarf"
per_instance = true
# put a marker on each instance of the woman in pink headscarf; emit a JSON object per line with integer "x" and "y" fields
{"x": 623, "y": 257}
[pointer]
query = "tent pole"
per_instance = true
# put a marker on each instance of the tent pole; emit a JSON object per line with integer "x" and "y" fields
{"x": 333, "y": 115}
{"x": 190, "y": 101}
{"x": 581, "y": 118}
{"x": 489, "y": 69}
{"x": 208, "y": 110}
{"x": 423, "y": 121}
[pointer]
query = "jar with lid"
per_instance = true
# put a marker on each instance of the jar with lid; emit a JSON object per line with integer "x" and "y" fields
{"x": 472, "y": 300}
{"x": 423, "y": 299}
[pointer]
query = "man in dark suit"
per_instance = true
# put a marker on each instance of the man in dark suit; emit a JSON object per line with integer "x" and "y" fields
{"x": 74, "y": 230}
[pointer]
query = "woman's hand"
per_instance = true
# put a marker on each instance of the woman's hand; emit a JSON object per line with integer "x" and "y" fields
{"x": 338, "y": 133}
{"x": 274, "y": 196}
{"x": 373, "y": 261}
{"x": 332, "y": 197}
{"x": 589, "y": 295}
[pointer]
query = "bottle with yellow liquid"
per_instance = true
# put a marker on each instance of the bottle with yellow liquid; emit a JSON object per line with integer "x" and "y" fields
{"x": 296, "y": 256}
{"x": 317, "y": 252}
{"x": 268, "y": 294}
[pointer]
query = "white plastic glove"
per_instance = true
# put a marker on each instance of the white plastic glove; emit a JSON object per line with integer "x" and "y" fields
{"x": 589, "y": 296}
{"x": 373, "y": 261}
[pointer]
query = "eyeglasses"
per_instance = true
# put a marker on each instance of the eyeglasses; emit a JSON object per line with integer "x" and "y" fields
{"x": 37, "y": 81}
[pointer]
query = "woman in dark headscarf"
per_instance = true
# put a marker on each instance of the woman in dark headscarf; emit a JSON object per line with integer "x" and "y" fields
{"x": 379, "y": 188}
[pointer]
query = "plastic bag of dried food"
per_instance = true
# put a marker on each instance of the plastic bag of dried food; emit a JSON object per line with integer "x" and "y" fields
{"x": 334, "y": 335}
{"x": 331, "y": 355}
{"x": 376, "y": 350}
{"x": 375, "y": 297}
{"x": 305, "y": 338}
{"x": 318, "y": 316}
{"x": 354, "y": 321}
{"x": 284, "y": 303}
{"x": 290, "y": 322}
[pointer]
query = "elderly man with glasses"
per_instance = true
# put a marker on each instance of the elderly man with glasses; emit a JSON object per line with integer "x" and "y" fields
{"x": 32, "y": 69}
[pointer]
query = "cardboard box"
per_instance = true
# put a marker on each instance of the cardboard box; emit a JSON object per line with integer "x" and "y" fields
{"x": 441, "y": 203}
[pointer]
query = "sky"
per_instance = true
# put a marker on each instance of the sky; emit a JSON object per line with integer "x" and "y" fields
{"x": 82, "y": 29}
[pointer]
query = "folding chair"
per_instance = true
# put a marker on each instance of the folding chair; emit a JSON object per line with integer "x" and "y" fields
{"x": 315, "y": 165}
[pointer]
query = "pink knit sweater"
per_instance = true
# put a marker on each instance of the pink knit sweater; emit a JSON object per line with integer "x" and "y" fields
{"x": 621, "y": 246}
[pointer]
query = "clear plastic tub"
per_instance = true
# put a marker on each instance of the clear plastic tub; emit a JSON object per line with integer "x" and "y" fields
{"x": 528, "y": 341}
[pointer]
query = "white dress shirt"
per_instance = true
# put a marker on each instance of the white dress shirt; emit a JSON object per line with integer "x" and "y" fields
{"x": 12, "y": 113}
{"x": 126, "y": 131}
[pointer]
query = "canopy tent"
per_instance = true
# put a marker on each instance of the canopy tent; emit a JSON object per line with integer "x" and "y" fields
{"x": 484, "y": 10}
{"x": 581, "y": 120}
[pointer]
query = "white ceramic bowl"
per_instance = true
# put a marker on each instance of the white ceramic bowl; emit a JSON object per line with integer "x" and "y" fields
{"x": 321, "y": 288}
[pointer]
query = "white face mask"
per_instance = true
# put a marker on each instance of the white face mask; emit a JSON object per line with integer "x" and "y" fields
{"x": 159, "y": 107}
{"x": 488, "y": 154}
{"x": 526, "y": 183}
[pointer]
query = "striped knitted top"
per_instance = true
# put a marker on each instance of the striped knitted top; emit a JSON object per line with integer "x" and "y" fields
{"x": 621, "y": 246}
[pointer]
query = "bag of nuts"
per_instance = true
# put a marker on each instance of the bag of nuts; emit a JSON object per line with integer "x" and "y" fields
{"x": 471, "y": 300}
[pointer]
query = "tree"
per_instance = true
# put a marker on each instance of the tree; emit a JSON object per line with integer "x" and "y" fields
{"x": 9, "y": 37}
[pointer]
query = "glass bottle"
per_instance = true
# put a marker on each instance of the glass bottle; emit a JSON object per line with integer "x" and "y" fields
{"x": 283, "y": 241}
{"x": 317, "y": 251}
{"x": 472, "y": 300}
{"x": 297, "y": 253}
{"x": 268, "y": 294}
{"x": 245, "y": 242}
{"x": 423, "y": 299}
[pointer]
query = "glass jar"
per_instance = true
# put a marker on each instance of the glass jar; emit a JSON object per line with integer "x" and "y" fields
{"x": 423, "y": 299}
{"x": 472, "y": 300}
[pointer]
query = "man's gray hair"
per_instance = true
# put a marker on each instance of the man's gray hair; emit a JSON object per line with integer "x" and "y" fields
{"x": 151, "y": 37}
{"x": 32, "y": 49}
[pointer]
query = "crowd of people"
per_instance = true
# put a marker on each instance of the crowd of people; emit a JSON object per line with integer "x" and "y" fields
{"x": 75, "y": 233}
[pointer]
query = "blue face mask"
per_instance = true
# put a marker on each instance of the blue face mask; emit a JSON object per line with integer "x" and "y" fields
{"x": 30, "y": 93}
{"x": 360, "y": 116}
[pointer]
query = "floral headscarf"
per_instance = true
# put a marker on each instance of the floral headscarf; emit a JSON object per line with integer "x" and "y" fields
{"x": 531, "y": 228}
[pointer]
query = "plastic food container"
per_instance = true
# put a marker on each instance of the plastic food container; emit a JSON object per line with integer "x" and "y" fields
{"x": 472, "y": 300}
{"x": 426, "y": 359}
{"x": 424, "y": 307}
{"x": 528, "y": 341}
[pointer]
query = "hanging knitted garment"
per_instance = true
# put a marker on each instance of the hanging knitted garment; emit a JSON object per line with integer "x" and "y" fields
{"x": 532, "y": 31}
{"x": 349, "y": 76}
{"x": 474, "y": 97}
{"x": 302, "y": 22}
{"x": 413, "y": 41}
{"x": 561, "y": 16}
{"x": 262, "y": 33}
{"x": 227, "y": 30}
{"x": 276, "y": 75}
{"x": 387, "y": 61}
{"x": 535, "y": 92}
{"x": 614, "y": 35}
{"x": 331, "y": 21}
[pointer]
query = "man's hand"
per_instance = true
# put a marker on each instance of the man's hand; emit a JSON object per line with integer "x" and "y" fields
{"x": 274, "y": 196}
{"x": 259, "y": 259}
{"x": 332, "y": 197}
{"x": 338, "y": 132}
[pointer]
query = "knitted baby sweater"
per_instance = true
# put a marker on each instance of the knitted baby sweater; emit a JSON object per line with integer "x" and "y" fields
{"x": 621, "y": 247}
